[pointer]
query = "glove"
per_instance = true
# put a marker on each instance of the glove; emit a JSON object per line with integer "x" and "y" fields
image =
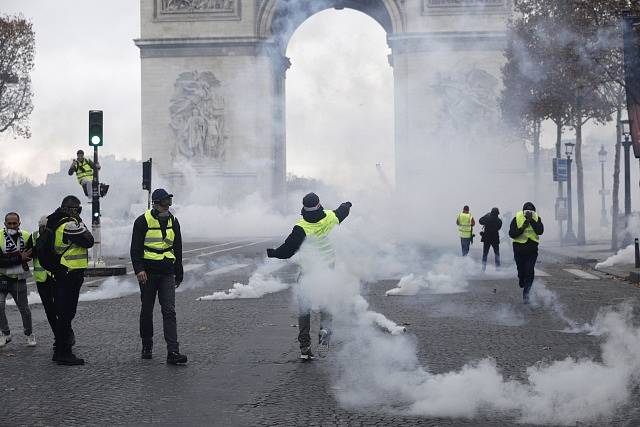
{"x": 271, "y": 253}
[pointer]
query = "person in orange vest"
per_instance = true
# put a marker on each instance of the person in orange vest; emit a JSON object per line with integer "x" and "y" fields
{"x": 465, "y": 223}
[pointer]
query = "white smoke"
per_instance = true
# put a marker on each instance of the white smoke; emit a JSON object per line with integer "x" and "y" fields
{"x": 623, "y": 256}
{"x": 111, "y": 288}
{"x": 260, "y": 284}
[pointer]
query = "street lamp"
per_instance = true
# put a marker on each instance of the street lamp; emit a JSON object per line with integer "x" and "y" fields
{"x": 602, "y": 156}
{"x": 570, "y": 237}
{"x": 626, "y": 133}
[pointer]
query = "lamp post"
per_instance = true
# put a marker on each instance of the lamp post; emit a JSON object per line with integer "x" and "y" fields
{"x": 626, "y": 133}
{"x": 570, "y": 237}
{"x": 602, "y": 156}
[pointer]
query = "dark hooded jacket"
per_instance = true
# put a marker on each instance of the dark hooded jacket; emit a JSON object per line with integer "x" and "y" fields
{"x": 492, "y": 225}
{"x": 292, "y": 244}
{"x": 530, "y": 247}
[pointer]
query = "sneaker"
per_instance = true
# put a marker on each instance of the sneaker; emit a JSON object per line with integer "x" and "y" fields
{"x": 175, "y": 358}
{"x": 147, "y": 352}
{"x": 68, "y": 359}
{"x": 4, "y": 340}
{"x": 31, "y": 340}
{"x": 324, "y": 338}
{"x": 306, "y": 354}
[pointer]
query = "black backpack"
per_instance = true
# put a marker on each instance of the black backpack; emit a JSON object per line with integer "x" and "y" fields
{"x": 46, "y": 252}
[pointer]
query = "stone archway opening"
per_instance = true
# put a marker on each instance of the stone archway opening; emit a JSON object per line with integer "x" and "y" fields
{"x": 339, "y": 102}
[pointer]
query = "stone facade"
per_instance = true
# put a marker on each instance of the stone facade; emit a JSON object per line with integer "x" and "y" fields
{"x": 213, "y": 81}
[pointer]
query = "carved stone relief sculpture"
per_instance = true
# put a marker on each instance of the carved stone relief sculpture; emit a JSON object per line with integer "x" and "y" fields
{"x": 197, "y": 111}
{"x": 196, "y": 10}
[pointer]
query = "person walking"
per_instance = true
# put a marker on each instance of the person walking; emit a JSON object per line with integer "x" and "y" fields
{"x": 44, "y": 281}
{"x": 525, "y": 230}
{"x": 83, "y": 168}
{"x": 15, "y": 253}
{"x": 490, "y": 236}
{"x": 156, "y": 255}
{"x": 71, "y": 242}
{"x": 313, "y": 230}
{"x": 465, "y": 223}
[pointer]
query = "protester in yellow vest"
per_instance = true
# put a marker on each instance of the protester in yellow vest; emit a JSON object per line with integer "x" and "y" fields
{"x": 83, "y": 168}
{"x": 15, "y": 251}
{"x": 525, "y": 230}
{"x": 71, "y": 242}
{"x": 44, "y": 281}
{"x": 156, "y": 256}
{"x": 313, "y": 230}
{"x": 465, "y": 223}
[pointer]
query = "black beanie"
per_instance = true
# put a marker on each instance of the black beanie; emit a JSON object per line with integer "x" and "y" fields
{"x": 311, "y": 200}
{"x": 528, "y": 207}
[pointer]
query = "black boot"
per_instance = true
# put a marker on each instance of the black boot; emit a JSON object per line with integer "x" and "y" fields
{"x": 69, "y": 359}
{"x": 147, "y": 352}
{"x": 175, "y": 358}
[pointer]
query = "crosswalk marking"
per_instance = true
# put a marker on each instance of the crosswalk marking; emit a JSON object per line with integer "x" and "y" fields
{"x": 541, "y": 273}
{"x": 581, "y": 274}
{"x": 225, "y": 269}
{"x": 191, "y": 267}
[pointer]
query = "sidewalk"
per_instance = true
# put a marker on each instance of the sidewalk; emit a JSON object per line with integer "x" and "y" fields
{"x": 591, "y": 254}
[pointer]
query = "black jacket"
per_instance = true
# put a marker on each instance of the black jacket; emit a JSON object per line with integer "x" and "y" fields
{"x": 292, "y": 244}
{"x": 492, "y": 225}
{"x": 166, "y": 266}
{"x": 84, "y": 240}
{"x": 530, "y": 247}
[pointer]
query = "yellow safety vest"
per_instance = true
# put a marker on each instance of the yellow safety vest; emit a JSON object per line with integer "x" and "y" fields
{"x": 15, "y": 271}
{"x": 73, "y": 257}
{"x": 528, "y": 234}
{"x": 39, "y": 273}
{"x": 318, "y": 235}
{"x": 84, "y": 170}
{"x": 156, "y": 247}
{"x": 464, "y": 225}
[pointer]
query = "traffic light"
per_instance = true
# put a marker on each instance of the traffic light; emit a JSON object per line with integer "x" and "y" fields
{"x": 95, "y": 128}
{"x": 146, "y": 175}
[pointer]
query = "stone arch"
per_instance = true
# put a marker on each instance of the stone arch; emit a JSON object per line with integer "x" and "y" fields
{"x": 277, "y": 20}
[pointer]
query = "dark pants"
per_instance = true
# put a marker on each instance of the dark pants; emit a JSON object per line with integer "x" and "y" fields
{"x": 304, "y": 326}
{"x": 526, "y": 264}
{"x": 164, "y": 285}
{"x": 485, "y": 252}
{"x": 46, "y": 290}
{"x": 18, "y": 291}
{"x": 465, "y": 243}
{"x": 67, "y": 291}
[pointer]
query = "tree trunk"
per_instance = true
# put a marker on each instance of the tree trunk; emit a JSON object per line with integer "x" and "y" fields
{"x": 615, "y": 193}
{"x": 559, "y": 127}
{"x": 536, "y": 158}
{"x": 580, "y": 180}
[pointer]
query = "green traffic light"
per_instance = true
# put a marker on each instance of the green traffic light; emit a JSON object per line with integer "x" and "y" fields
{"x": 95, "y": 128}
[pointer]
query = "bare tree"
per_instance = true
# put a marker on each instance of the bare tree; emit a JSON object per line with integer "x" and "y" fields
{"x": 16, "y": 62}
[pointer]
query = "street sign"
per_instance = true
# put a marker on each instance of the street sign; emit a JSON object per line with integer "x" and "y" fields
{"x": 560, "y": 170}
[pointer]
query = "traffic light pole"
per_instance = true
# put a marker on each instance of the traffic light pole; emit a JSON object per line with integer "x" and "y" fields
{"x": 95, "y": 213}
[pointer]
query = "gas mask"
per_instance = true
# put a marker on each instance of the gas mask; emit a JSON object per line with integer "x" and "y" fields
{"x": 12, "y": 232}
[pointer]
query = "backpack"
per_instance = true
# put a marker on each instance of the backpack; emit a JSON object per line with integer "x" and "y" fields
{"x": 45, "y": 250}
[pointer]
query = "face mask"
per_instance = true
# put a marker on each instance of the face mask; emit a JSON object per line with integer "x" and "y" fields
{"x": 163, "y": 214}
{"x": 12, "y": 232}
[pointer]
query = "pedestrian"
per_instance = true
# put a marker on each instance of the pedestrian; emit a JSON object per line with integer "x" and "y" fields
{"x": 313, "y": 230}
{"x": 16, "y": 248}
{"x": 465, "y": 223}
{"x": 156, "y": 255}
{"x": 83, "y": 168}
{"x": 490, "y": 236}
{"x": 72, "y": 240}
{"x": 525, "y": 230}
{"x": 44, "y": 281}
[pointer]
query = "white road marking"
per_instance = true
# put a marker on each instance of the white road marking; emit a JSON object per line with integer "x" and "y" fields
{"x": 225, "y": 269}
{"x": 230, "y": 249}
{"x": 191, "y": 267}
{"x": 541, "y": 273}
{"x": 215, "y": 246}
{"x": 581, "y": 274}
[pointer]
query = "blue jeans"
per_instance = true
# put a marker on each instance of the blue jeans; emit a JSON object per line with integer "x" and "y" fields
{"x": 526, "y": 264}
{"x": 465, "y": 243}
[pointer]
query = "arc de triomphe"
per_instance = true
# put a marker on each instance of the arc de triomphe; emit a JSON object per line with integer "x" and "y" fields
{"x": 213, "y": 74}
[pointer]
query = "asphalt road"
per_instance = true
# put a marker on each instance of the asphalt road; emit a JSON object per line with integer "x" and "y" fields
{"x": 243, "y": 355}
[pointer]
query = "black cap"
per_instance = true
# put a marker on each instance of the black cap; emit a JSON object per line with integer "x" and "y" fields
{"x": 159, "y": 194}
{"x": 528, "y": 206}
{"x": 310, "y": 201}
{"x": 79, "y": 152}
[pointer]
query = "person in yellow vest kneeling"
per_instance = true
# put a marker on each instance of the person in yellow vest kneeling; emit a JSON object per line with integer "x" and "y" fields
{"x": 313, "y": 230}
{"x": 525, "y": 230}
{"x": 15, "y": 253}
{"x": 465, "y": 223}
{"x": 156, "y": 256}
